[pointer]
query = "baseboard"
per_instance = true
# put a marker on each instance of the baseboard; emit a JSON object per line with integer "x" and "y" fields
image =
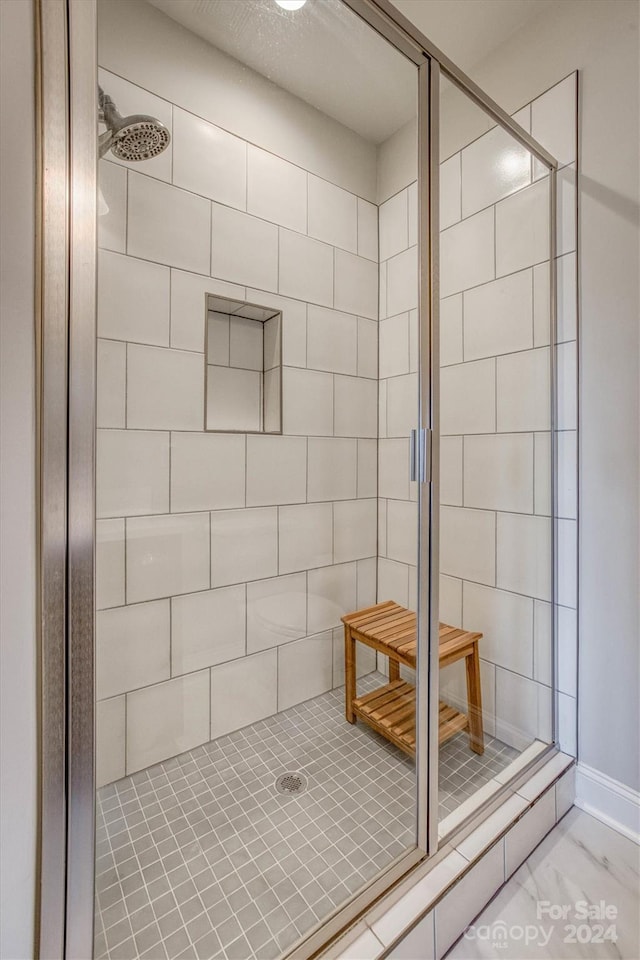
{"x": 608, "y": 801}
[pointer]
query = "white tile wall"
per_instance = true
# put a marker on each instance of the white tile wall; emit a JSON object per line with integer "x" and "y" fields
{"x": 393, "y": 581}
{"x": 305, "y": 669}
{"x": 207, "y": 628}
{"x": 276, "y": 611}
{"x": 243, "y": 692}
{"x": 305, "y": 536}
{"x": 354, "y": 530}
{"x": 246, "y": 343}
{"x": 402, "y": 531}
{"x": 468, "y": 544}
{"x": 567, "y": 386}
{"x": 468, "y": 398}
{"x": 308, "y": 402}
{"x": 112, "y": 225}
{"x": 132, "y": 647}
{"x": 367, "y": 229}
{"x": 402, "y": 405}
{"x": 450, "y": 191}
{"x": 218, "y": 338}
{"x": 451, "y": 330}
{"x": 567, "y": 474}
{"x": 332, "y": 340}
{"x": 132, "y": 472}
{"x": 516, "y": 708}
{"x": 506, "y": 620}
{"x": 167, "y": 225}
{"x": 133, "y": 299}
{"x": 188, "y": 306}
{"x": 467, "y": 254}
{"x": 306, "y": 269}
{"x": 566, "y": 210}
{"x": 393, "y": 225}
{"x": 207, "y": 471}
{"x": 367, "y": 468}
{"x": 451, "y": 460}
{"x": 493, "y": 167}
{"x": 276, "y": 189}
{"x": 524, "y": 551}
{"x": 542, "y": 470}
{"x": 165, "y": 389}
{"x": 244, "y": 249}
{"x": 333, "y": 460}
{"x": 111, "y": 400}
{"x": 109, "y": 563}
{"x": 522, "y": 229}
{"x": 394, "y": 346}
{"x": 498, "y": 317}
{"x": 332, "y": 592}
{"x": 549, "y": 116}
{"x": 110, "y": 740}
{"x": 333, "y": 217}
{"x": 356, "y": 284}
{"x": 498, "y": 472}
{"x": 208, "y": 160}
{"x": 450, "y": 600}
{"x": 393, "y": 469}
{"x": 276, "y": 470}
{"x": 244, "y": 545}
{"x": 367, "y": 348}
{"x": 355, "y": 407}
{"x": 523, "y": 391}
{"x": 167, "y": 719}
{"x": 167, "y": 555}
{"x": 333, "y": 469}
{"x": 234, "y": 399}
{"x": 402, "y": 282}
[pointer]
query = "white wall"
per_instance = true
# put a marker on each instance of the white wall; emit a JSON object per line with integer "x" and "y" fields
{"x": 18, "y": 804}
{"x": 600, "y": 39}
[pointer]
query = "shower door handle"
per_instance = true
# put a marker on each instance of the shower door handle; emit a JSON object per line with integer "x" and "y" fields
{"x": 420, "y": 456}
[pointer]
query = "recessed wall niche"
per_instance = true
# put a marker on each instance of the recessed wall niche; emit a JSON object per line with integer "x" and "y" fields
{"x": 243, "y": 358}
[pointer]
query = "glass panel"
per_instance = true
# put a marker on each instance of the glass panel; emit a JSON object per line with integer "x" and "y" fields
{"x": 237, "y": 808}
{"x": 496, "y": 474}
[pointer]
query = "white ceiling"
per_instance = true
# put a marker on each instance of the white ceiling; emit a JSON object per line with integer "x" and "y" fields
{"x": 469, "y": 30}
{"x": 322, "y": 53}
{"x": 328, "y": 57}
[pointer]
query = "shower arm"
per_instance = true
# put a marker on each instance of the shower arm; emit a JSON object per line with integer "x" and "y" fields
{"x": 107, "y": 114}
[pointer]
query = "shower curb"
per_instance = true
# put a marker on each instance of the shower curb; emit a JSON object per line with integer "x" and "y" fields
{"x": 488, "y": 856}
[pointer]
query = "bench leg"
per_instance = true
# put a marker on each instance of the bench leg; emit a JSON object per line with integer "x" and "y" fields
{"x": 474, "y": 701}
{"x": 349, "y": 673}
{"x": 394, "y": 670}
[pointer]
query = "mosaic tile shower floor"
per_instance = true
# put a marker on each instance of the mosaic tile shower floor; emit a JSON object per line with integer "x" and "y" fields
{"x": 199, "y": 857}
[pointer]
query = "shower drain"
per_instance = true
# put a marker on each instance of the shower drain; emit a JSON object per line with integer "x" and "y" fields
{"x": 291, "y": 783}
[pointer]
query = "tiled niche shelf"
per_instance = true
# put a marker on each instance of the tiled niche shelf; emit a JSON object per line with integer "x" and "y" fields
{"x": 243, "y": 360}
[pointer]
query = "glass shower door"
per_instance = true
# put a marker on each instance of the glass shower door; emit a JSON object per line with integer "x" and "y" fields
{"x": 258, "y": 382}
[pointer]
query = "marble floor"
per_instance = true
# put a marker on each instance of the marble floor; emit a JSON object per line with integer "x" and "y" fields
{"x": 581, "y": 860}
{"x": 199, "y": 857}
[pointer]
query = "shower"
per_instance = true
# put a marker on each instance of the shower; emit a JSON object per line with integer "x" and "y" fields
{"x": 137, "y": 137}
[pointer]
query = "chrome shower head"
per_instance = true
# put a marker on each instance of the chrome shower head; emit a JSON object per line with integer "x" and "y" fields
{"x": 137, "y": 137}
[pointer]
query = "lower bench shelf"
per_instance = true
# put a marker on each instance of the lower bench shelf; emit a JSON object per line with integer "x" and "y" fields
{"x": 391, "y": 710}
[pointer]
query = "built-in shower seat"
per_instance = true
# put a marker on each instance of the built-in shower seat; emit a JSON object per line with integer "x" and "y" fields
{"x": 391, "y": 709}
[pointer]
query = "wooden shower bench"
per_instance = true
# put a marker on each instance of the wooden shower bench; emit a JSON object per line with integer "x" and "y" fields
{"x": 391, "y": 709}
